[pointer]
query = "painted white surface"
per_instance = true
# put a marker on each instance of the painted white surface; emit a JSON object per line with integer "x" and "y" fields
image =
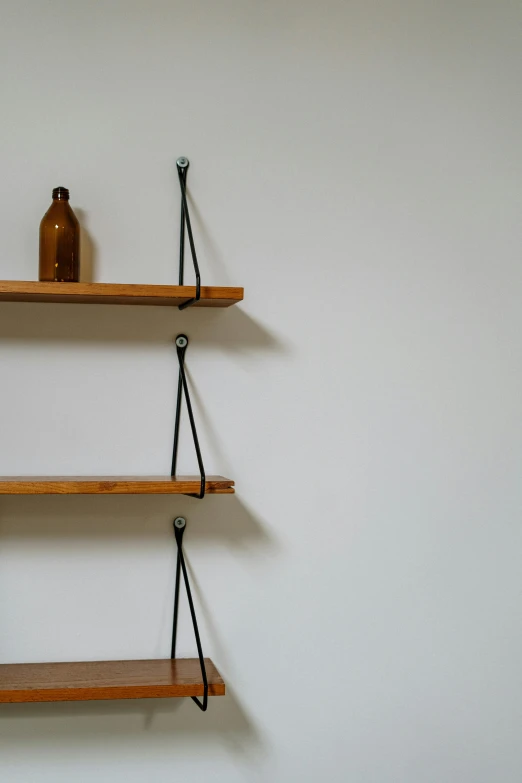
{"x": 356, "y": 166}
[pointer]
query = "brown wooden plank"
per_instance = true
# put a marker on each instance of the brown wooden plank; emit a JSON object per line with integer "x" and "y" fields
{"x": 152, "y": 679}
{"x": 117, "y": 293}
{"x": 113, "y": 485}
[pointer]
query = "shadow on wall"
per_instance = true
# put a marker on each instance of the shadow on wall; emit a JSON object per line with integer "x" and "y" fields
{"x": 88, "y": 249}
{"x": 225, "y": 723}
{"x": 230, "y": 330}
{"x": 223, "y": 519}
{"x": 206, "y": 246}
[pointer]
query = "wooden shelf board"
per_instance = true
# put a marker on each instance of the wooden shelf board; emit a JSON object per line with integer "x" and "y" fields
{"x": 113, "y": 485}
{"x": 154, "y": 679}
{"x": 117, "y": 293}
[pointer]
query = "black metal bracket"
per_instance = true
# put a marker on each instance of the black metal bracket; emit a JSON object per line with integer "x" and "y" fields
{"x": 181, "y": 347}
{"x": 179, "y": 528}
{"x": 182, "y": 165}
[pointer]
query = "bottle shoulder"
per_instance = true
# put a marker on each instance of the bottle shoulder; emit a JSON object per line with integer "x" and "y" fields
{"x": 60, "y": 215}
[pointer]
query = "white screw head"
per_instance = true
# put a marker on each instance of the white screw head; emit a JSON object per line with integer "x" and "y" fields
{"x": 182, "y": 162}
{"x": 181, "y": 341}
{"x": 180, "y": 522}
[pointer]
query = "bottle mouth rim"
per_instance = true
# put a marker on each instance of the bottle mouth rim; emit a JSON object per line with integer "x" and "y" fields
{"x": 61, "y": 193}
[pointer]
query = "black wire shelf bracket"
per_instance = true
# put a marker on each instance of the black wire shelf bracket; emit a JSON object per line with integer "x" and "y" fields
{"x": 182, "y": 165}
{"x": 179, "y": 528}
{"x": 181, "y": 347}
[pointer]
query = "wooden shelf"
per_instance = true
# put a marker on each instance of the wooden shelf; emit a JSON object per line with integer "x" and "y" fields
{"x": 113, "y": 485}
{"x": 117, "y": 293}
{"x": 155, "y": 679}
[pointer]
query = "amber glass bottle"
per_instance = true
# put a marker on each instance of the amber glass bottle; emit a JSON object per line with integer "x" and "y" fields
{"x": 60, "y": 241}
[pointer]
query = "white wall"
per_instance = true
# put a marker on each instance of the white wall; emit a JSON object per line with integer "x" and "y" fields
{"x": 355, "y": 166}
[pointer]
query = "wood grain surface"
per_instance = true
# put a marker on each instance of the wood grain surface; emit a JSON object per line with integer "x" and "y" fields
{"x": 117, "y": 293}
{"x": 113, "y": 485}
{"x": 152, "y": 679}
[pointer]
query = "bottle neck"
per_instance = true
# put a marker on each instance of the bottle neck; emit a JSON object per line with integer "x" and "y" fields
{"x": 60, "y": 194}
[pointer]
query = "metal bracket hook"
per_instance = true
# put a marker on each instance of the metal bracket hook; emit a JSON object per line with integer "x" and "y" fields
{"x": 182, "y": 165}
{"x": 181, "y": 347}
{"x": 179, "y": 528}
